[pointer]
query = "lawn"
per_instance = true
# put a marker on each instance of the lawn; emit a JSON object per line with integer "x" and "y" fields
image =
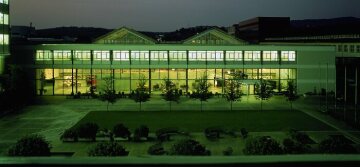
{"x": 253, "y": 121}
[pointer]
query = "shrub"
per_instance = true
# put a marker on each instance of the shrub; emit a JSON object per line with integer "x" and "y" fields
{"x": 264, "y": 145}
{"x": 336, "y": 145}
{"x": 156, "y": 149}
{"x": 164, "y": 134}
{"x": 141, "y": 132}
{"x": 70, "y": 134}
{"x": 120, "y": 130}
{"x": 295, "y": 147}
{"x": 34, "y": 145}
{"x": 88, "y": 131}
{"x": 300, "y": 137}
{"x": 228, "y": 151}
{"x": 108, "y": 149}
{"x": 188, "y": 147}
{"x": 244, "y": 133}
{"x": 213, "y": 133}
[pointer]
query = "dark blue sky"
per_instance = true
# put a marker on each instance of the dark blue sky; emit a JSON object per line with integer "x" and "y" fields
{"x": 168, "y": 15}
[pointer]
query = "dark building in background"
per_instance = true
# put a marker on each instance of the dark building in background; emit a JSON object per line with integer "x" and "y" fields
{"x": 257, "y": 29}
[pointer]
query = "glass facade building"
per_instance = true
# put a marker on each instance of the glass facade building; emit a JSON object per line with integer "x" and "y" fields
{"x": 126, "y": 56}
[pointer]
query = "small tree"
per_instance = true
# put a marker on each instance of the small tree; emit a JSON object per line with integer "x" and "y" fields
{"x": 34, "y": 145}
{"x": 233, "y": 91}
{"x": 188, "y": 147}
{"x": 88, "y": 131}
{"x": 141, "y": 95}
{"x": 263, "y": 91}
{"x": 120, "y": 130}
{"x": 141, "y": 132}
{"x": 262, "y": 146}
{"x": 108, "y": 94}
{"x": 291, "y": 93}
{"x": 202, "y": 90}
{"x": 108, "y": 149}
{"x": 171, "y": 93}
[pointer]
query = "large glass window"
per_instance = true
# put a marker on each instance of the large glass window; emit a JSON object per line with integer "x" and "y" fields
{"x": 288, "y": 56}
{"x": 4, "y": 19}
{"x": 4, "y": 1}
{"x": 101, "y": 55}
{"x": 176, "y": 56}
{"x": 234, "y": 56}
{"x": 139, "y": 55}
{"x": 121, "y": 56}
{"x": 159, "y": 56}
{"x": 197, "y": 55}
{"x": 64, "y": 55}
{"x": 43, "y": 55}
{"x": 270, "y": 56}
{"x": 252, "y": 56}
{"x": 82, "y": 55}
{"x": 215, "y": 56}
{"x": 4, "y": 39}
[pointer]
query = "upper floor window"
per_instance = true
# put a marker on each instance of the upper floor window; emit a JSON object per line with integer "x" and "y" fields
{"x": 234, "y": 56}
{"x": 270, "y": 56}
{"x": 352, "y": 48}
{"x": 121, "y": 56}
{"x": 43, "y": 55}
{"x": 4, "y": 19}
{"x": 215, "y": 55}
{"x": 197, "y": 55}
{"x": 102, "y": 55}
{"x": 288, "y": 56}
{"x": 346, "y": 48}
{"x": 177, "y": 55}
{"x": 4, "y": 1}
{"x": 62, "y": 55}
{"x": 252, "y": 56}
{"x": 82, "y": 55}
{"x": 159, "y": 56}
{"x": 4, "y": 39}
{"x": 140, "y": 55}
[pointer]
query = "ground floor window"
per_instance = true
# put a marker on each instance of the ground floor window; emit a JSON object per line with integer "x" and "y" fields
{"x": 71, "y": 81}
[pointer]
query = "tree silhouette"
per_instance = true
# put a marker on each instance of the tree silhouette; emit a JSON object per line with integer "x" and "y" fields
{"x": 263, "y": 91}
{"x": 233, "y": 91}
{"x": 291, "y": 93}
{"x": 202, "y": 90}
{"x": 141, "y": 95}
{"x": 108, "y": 94}
{"x": 171, "y": 93}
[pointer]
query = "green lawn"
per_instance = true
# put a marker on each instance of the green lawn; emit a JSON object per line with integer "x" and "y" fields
{"x": 255, "y": 121}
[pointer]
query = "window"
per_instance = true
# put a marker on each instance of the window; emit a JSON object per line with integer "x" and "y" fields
{"x": 358, "y": 48}
{"x": 215, "y": 55}
{"x": 4, "y": 39}
{"x": 82, "y": 55}
{"x": 234, "y": 56}
{"x": 159, "y": 56}
{"x": 62, "y": 55}
{"x": 345, "y": 48}
{"x": 4, "y": 19}
{"x": 197, "y": 55}
{"x": 270, "y": 56}
{"x": 252, "y": 56}
{"x": 140, "y": 55}
{"x": 102, "y": 55}
{"x": 43, "y": 55}
{"x": 340, "y": 48}
{"x": 177, "y": 55}
{"x": 121, "y": 56}
{"x": 4, "y": 1}
{"x": 288, "y": 56}
{"x": 352, "y": 48}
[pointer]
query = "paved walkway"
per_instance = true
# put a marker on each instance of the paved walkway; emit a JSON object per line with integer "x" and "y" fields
{"x": 54, "y": 114}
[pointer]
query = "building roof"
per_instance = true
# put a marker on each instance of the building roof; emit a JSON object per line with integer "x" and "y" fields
{"x": 213, "y": 36}
{"x": 124, "y": 36}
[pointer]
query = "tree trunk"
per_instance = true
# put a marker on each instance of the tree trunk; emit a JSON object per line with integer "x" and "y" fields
{"x": 261, "y": 104}
{"x": 107, "y": 107}
{"x": 170, "y": 106}
{"x": 291, "y": 107}
{"x": 140, "y": 106}
{"x": 201, "y": 102}
{"x": 231, "y": 106}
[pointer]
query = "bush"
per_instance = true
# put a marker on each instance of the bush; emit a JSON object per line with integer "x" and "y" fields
{"x": 264, "y": 145}
{"x": 70, "y": 134}
{"x": 336, "y": 145}
{"x": 164, "y": 134}
{"x": 228, "y": 151}
{"x": 108, "y": 149}
{"x": 34, "y": 145}
{"x": 295, "y": 147}
{"x": 88, "y": 131}
{"x": 120, "y": 130}
{"x": 213, "y": 133}
{"x": 244, "y": 133}
{"x": 188, "y": 147}
{"x": 156, "y": 149}
{"x": 300, "y": 137}
{"x": 141, "y": 132}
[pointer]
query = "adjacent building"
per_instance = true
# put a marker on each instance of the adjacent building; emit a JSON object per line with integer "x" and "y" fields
{"x": 4, "y": 33}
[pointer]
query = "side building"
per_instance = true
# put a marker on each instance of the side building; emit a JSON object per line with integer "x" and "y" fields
{"x": 127, "y": 56}
{"x": 4, "y": 33}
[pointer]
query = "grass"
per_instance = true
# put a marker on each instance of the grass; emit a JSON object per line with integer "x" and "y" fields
{"x": 254, "y": 121}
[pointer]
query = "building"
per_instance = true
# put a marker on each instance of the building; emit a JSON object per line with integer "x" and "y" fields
{"x": 127, "y": 56}
{"x": 4, "y": 33}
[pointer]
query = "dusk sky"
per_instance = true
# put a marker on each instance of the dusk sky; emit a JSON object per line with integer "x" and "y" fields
{"x": 169, "y": 15}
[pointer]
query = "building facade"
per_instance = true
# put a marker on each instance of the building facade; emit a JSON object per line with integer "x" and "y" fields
{"x": 127, "y": 56}
{"x": 4, "y": 33}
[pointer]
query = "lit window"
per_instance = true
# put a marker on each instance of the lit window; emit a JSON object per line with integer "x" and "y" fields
{"x": 177, "y": 55}
{"x": 4, "y": 39}
{"x": 62, "y": 55}
{"x": 4, "y": 1}
{"x": 140, "y": 55}
{"x": 121, "y": 56}
{"x": 234, "y": 56}
{"x": 215, "y": 56}
{"x": 82, "y": 55}
{"x": 4, "y": 18}
{"x": 159, "y": 56}
{"x": 288, "y": 56}
{"x": 252, "y": 56}
{"x": 197, "y": 55}
{"x": 270, "y": 56}
{"x": 42, "y": 55}
{"x": 102, "y": 55}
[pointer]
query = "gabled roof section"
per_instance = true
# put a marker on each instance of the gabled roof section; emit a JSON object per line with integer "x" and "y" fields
{"x": 124, "y": 36}
{"x": 214, "y": 36}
